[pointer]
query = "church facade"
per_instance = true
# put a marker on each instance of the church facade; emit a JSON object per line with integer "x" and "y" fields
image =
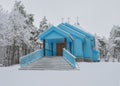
{"x": 78, "y": 42}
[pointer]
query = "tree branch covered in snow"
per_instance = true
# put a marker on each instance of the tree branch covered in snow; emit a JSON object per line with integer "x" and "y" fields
{"x": 101, "y": 46}
{"x": 114, "y": 42}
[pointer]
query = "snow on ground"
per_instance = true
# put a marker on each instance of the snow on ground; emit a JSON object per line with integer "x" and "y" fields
{"x": 90, "y": 74}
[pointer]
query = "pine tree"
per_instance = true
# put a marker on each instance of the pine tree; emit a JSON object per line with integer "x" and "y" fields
{"x": 35, "y": 33}
{"x": 101, "y": 46}
{"x": 18, "y": 6}
{"x": 44, "y": 25}
{"x": 22, "y": 26}
{"x": 114, "y": 40}
{"x": 5, "y": 28}
{"x": 23, "y": 23}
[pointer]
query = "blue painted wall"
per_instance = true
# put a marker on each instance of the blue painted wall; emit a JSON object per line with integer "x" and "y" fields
{"x": 83, "y": 43}
{"x": 54, "y": 48}
{"x": 78, "y": 48}
{"x": 88, "y": 51}
{"x": 47, "y": 49}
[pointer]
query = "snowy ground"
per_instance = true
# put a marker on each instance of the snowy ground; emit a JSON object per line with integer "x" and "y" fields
{"x": 90, "y": 74}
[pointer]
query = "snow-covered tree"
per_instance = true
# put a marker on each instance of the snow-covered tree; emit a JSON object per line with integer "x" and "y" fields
{"x": 30, "y": 34}
{"x": 44, "y": 24}
{"x": 6, "y": 35}
{"x": 22, "y": 24}
{"x": 5, "y": 29}
{"x": 33, "y": 31}
{"x": 114, "y": 42}
{"x": 36, "y": 32}
{"x": 34, "y": 39}
{"x": 18, "y": 6}
{"x": 18, "y": 23}
{"x": 101, "y": 46}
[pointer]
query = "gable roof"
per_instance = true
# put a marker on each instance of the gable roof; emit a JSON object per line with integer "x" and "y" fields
{"x": 54, "y": 32}
{"x": 72, "y": 32}
{"x": 79, "y": 30}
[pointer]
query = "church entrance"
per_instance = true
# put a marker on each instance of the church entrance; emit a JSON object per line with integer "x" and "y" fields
{"x": 59, "y": 49}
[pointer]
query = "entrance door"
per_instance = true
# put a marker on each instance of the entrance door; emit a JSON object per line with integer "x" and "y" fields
{"x": 60, "y": 47}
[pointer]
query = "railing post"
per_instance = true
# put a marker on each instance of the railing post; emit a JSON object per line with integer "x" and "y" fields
{"x": 70, "y": 47}
{"x": 52, "y": 48}
{"x": 44, "y": 47}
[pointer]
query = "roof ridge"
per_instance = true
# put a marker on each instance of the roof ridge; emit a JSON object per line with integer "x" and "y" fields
{"x": 81, "y": 31}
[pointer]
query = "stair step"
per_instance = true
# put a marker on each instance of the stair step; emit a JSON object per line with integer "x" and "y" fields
{"x": 49, "y": 66}
{"x": 49, "y": 63}
{"x": 47, "y": 69}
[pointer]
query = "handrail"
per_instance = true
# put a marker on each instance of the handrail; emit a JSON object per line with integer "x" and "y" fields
{"x": 70, "y": 58}
{"x": 32, "y": 57}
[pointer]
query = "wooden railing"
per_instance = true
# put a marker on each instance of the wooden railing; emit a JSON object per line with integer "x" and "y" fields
{"x": 70, "y": 58}
{"x": 32, "y": 57}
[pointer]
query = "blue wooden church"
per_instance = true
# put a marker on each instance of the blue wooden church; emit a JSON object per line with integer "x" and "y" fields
{"x": 78, "y": 42}
{"x": 62, "y": 47}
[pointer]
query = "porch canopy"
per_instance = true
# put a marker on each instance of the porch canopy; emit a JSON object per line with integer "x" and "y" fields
{"x": 55, "y": 34}
{"x": 54, "y": 40}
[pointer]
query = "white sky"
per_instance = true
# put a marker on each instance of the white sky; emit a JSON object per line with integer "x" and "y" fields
{"x": 96, "y": 16}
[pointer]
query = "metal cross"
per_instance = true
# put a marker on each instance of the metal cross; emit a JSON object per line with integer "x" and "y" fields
{"x": 62, "y": 20}
{"x": 68, "y": 20}
{"x": 77, "y": 20}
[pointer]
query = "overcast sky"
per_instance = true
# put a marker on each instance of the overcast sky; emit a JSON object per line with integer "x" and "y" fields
{"x": 96, "y": 16}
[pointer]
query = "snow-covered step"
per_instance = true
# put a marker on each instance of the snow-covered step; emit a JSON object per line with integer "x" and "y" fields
{"x": 42, "y": 66}
{"x": 49, "y": 63}
{"x": 47, "y": 69}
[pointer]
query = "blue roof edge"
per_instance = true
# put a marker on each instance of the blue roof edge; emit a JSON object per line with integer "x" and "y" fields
{"x": 88, "y": 34}
{"x": 66, "y": 34}
{"x": 78, "y": 34}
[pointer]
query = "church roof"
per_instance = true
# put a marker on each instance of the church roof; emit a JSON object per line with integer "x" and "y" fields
{"x": 72, "y": 32}
{"x": 79, "y": 30}
{"x": 54, "y": 33}
{"x": 65, "y": 30}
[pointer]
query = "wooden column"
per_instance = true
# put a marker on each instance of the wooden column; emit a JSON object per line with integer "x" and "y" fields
{"x": 70, "y": 47}
{"x": 52, "y": 48}
{"x": 44, "y": 47}
{"x": 65, "y": 42}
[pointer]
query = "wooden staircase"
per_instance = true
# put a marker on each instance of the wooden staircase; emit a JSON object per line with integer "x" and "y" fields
{"x": 49, "y": 63}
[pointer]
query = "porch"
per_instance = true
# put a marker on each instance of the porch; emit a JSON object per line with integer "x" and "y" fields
{"x": 54, "y": 40}
{"x": 37, "y": 60}
{"x": 49, "y": 63}
{"x": 54, "y": 47}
